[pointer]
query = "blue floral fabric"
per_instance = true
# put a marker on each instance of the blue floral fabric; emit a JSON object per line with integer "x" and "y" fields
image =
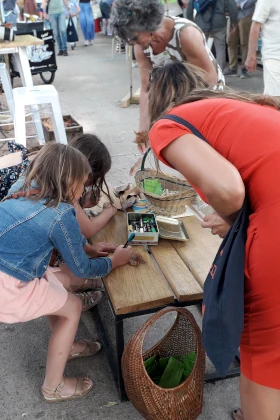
{"x": 10, "y": 175}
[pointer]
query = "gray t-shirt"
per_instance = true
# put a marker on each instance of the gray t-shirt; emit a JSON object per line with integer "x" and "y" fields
{"x": 56, "y": 6}
{"x": 9, "y": 5}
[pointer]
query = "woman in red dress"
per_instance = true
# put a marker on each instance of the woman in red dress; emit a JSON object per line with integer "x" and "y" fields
{"x": 243, "y": 154}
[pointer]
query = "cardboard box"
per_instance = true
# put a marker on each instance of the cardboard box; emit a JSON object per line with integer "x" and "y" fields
{"x": 139, "y": 223}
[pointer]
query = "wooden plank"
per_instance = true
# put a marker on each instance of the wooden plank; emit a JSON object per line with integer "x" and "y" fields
{"x": 135, "y": 99}
{"x": 132, "y": 288}
{"x": 125, "y": 102}
{"x": 199, "y": 252}
{"x": 179, "y": 277}
{"x": 21, "y": 41}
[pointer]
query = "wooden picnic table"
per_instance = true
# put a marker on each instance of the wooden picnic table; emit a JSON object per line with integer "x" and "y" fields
{"x": 174, "y": 274}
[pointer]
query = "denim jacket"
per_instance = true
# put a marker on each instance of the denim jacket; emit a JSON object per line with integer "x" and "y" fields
{"x": 29, "y": 231}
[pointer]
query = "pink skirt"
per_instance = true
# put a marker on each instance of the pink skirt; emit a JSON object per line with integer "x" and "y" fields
{"x": 24, "y": 301}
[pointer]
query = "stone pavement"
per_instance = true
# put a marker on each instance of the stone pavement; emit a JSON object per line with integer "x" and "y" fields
{"x": 90, "y": 85}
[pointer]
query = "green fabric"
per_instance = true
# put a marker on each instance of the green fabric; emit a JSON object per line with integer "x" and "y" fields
{"x": 55, "y": 7}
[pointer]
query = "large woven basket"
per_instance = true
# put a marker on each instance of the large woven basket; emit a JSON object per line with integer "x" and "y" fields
{"x": 153, "y": 402}
{"x": 170, "y": 205}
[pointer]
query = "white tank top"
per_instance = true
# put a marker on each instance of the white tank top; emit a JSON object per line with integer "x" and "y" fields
{"x": 173, "y": 50}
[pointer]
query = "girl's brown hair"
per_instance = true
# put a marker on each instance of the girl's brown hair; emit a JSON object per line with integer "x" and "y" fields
{"x": 55, "y": 171}
{"x": 99, "y": 160}
{"x": 177, "y": 83}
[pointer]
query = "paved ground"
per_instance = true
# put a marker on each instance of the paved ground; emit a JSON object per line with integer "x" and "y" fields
{"x": 91, "y": 85}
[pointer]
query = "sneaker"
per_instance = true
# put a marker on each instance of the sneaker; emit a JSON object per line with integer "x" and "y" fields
{"x": 60, "y": 52}
{"x": 230, "y": 72}
{"x": 244, "y": 74}
{"x": 134, "y": 64}
{"x": 86, "y": 43}
{"x": 65, "y": 53}
{"x": 90, "y": 42}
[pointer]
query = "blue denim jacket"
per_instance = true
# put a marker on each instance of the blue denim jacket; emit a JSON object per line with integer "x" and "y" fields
{"x": 29, "y": 231}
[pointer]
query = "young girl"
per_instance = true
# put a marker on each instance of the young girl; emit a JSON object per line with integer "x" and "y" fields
{"x": 40, "y": 212}
{"x": 74, "y": 11}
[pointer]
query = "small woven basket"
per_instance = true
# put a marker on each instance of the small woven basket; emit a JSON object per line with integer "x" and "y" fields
{"x": 153, "y": 402}
{"x": 167, "y": 205}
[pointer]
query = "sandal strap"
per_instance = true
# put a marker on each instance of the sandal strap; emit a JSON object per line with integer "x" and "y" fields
{"x": 79, "y": 386}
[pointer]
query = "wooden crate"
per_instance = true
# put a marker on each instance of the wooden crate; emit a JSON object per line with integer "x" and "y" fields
{"x": 71, "y": 132}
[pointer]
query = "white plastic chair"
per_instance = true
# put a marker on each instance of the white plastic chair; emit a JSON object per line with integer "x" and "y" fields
{"x": 37, "y": 95}
{"x": 7, "y": 87}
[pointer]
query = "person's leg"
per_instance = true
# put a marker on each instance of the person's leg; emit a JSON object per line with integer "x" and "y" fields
{"x": 62, "y": 31}
{"x": 82, "y": 17}
{"x": 64, "y": 327}
{"x": 244, "y": 30}
{"x": 220, "y": 46}
{"x": 90, "y": 23}
{"x": 232, "y": 42}
{"x": 259, "y": 402}
{"x": 271, "y": 77}
{"x": 55, "y": 28}
{"x": 11, "y": 18}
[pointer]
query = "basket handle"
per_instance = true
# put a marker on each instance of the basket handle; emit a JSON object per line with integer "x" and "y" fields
{"x": 145, "y": 158}
{"x": 145, "y": 327}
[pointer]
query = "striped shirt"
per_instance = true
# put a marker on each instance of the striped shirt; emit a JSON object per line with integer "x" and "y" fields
{"x": 173, "y": 50}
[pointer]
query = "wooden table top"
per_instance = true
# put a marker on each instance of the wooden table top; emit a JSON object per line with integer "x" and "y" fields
{"x": 21, "y": 41}
{"x": 174, "y": 268}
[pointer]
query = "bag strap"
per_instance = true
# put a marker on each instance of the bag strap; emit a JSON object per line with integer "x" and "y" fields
{"x": 22, "y": 194}
{"x": 185, "y": 123}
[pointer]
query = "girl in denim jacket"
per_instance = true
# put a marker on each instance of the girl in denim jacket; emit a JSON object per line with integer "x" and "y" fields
{"x": 37, "y": 218}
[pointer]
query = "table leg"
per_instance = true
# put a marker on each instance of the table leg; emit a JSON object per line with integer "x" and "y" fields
{"x": 120, "y": 349}
{"x": 26, "y": 78}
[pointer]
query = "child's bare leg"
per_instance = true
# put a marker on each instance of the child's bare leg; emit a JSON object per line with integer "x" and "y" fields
{"x": 62, "y": 337}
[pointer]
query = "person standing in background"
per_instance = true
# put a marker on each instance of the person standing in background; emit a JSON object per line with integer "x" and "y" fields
{"x": 240, "y": 37}
{"x": 10, "y": 12}
{"x": 105, "y": 7}
{"x": 86, "y": 22}
{"x": 214, "y": 23}
{"x": 56, "y": 16}
{"x": 74, "y": 11}
{"x": 267, "y": 18}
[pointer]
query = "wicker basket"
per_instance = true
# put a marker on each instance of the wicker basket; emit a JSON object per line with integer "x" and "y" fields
{"x": 153, "y": 402}
{"x": 171, "y": 205}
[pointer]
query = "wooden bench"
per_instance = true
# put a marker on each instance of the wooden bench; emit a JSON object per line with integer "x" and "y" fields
{"x": 174, "y": 274}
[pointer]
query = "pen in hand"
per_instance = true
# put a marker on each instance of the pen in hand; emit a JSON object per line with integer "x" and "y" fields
{"x": 130, "y": 239}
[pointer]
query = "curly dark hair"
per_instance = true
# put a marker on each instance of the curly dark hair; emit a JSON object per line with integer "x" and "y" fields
{"x": 129, "y": 16}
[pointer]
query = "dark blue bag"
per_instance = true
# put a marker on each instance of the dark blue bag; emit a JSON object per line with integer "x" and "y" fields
{"x": 72, "y": 35}
{"x": 223, "y": 302}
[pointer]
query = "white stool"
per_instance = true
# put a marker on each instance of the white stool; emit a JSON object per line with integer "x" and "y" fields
{"x": 115, "y": 40}
{"x": 37, "y": 95}
{"x": 7, "y": 87}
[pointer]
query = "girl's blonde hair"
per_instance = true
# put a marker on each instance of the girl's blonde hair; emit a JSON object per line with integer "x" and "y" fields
{"x": 181, "y": 83}
{"x": 56, "y": 171}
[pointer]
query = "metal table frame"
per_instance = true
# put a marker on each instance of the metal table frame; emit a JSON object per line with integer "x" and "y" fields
{"x": 115, "y": 362}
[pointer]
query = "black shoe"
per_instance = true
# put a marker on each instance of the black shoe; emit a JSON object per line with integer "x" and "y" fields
{"x": 230, "y": 72}
{"x": 65, "y": 52}
{"x": 244, "y": 74}
{"x": 60, "y": 52}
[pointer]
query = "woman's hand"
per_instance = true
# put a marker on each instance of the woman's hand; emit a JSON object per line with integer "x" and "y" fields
{"x": 217, "y": 225}
{"x": 101, "y": 249}
{"x": 112, "y": 210}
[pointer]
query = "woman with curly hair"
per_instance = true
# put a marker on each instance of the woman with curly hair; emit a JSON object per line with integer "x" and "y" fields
{"x": 160, "y": 39}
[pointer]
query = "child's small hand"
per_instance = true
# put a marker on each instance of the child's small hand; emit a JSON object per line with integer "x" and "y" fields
{"x": 121, "y": 256}
{"x": 110, "y": 208}
{"x": 100, "y": 249}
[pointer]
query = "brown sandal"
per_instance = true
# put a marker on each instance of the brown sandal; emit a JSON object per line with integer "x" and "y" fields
{"x": 91, "y": 348}
{"x": 89, "y": 299}
{"x": 237, "y": 414}
{"x": 90, "y": 284}
{"x": 55, "y": 396}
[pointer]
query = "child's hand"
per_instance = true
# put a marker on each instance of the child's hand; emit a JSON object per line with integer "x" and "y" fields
{"x": 100, "y": 249}
{"x": 121, "y": 256}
